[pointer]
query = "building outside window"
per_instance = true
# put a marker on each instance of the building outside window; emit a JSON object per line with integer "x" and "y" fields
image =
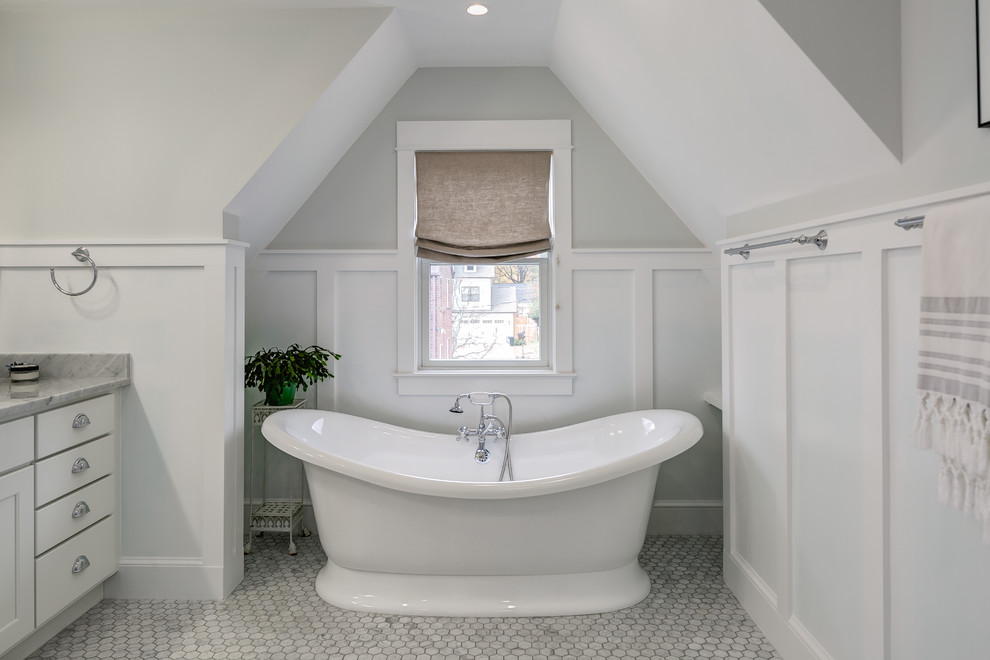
{"x": 485, "y": 314}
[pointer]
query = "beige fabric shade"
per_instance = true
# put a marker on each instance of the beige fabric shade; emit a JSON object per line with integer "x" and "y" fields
{"x": 482, "y": 206}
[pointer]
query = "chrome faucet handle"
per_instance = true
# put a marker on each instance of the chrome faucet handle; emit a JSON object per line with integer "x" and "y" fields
{"x": 462, "y": 433}
{"x": 493, "y": 426}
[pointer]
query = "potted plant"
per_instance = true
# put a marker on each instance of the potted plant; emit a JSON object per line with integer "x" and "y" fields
{"x": 277, "y": 373}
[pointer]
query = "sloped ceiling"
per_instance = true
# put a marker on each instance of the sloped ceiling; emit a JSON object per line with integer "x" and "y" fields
{"x": 714, "y": 102}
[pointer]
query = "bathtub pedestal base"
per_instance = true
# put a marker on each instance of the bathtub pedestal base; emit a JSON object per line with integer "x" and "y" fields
{"x": 483, "y": 595}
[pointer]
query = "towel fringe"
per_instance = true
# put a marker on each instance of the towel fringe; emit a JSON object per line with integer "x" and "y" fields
{"x": 959, "y": 431}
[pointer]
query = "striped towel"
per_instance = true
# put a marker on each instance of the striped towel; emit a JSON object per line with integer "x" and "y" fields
{"x": 954, "y": 353}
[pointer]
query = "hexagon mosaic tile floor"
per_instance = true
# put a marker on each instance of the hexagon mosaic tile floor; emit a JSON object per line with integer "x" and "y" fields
{"x": 275, "y": 614}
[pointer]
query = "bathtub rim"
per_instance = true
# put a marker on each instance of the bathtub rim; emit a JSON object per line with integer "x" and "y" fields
{"x": 685, "y": 430}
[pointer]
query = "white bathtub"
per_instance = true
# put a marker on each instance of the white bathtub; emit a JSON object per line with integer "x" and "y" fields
{"x": 412, "y": 524}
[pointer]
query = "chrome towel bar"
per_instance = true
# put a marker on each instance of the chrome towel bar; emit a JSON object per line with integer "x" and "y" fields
{"x": 820, "y": 239}
{"x": 910, "y": 222}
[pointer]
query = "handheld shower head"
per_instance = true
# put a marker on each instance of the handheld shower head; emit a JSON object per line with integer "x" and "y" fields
{"x": 456, "y": 408}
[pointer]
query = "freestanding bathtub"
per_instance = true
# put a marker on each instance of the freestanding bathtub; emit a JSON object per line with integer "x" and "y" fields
{"x": 411, "y": 524}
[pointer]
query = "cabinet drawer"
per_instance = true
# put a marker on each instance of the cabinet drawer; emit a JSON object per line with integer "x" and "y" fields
{"x": 66, "y": 427}
{"x": 16, "y": 443}
{"x": 73, "y": 513}
{"x": 92, "y": 555}
{"x": 54, "y": 476}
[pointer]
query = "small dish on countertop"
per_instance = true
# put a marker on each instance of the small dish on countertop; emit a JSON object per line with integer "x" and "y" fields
{"x": 23, "y": 373}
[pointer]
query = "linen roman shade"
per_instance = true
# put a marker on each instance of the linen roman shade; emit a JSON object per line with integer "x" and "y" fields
{"x": 482, "y": 206}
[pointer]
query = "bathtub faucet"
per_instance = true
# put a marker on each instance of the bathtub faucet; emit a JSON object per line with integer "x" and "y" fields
{"x": 489, "y": 426}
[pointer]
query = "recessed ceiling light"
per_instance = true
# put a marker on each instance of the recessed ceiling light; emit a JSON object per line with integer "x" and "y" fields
{"x": 477, "y": 10}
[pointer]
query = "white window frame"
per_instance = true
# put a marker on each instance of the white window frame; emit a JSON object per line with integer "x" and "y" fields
{"x": 554, "y": 135}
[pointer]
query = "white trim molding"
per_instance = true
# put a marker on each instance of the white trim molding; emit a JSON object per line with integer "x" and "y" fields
{"x": 166, "y": 577}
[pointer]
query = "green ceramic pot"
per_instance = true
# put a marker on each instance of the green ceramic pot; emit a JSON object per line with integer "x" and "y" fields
{"x": 281, "y": 397}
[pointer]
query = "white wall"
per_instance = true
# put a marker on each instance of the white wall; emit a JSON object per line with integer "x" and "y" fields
{"x": 125, "y": 124}
{"x": 122, "y": 128}
{"x": 943, "y": 149}
{"x": 835, "y": 541}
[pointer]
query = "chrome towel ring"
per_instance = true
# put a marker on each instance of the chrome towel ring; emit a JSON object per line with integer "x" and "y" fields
{"x": 81, "y": 254}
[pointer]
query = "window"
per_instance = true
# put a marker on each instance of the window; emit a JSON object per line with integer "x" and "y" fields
{"x": 552, "y": 372}
{"x": 484, "y": 315}
{"x": 481, "y": 216}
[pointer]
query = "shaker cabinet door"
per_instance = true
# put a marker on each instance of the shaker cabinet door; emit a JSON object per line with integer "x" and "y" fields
{"x": 16, "y": 557}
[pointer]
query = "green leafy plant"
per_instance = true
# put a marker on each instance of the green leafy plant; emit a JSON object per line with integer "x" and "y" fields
{"x": 277, "y": 373}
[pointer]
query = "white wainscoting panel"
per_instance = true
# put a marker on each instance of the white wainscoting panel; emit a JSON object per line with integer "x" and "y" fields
{"x": 604, "y": 351}
{"x": 825, "y": 316}
{"x": 939, "y": 567}
{"x": 176, "y": 308}
{"x": 365, "y": 331}
{"x": 835, "y": 541}
{"x": 756, "y": 494}
{"x": 625, "y": 308}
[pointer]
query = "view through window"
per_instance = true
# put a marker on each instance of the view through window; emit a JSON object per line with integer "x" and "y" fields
{"x": 487, "y": 313}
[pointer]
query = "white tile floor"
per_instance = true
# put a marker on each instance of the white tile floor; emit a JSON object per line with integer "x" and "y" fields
{"x": 275, "y": 614}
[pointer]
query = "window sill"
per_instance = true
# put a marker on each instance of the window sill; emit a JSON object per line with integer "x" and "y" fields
{"x": 513, "y": 383}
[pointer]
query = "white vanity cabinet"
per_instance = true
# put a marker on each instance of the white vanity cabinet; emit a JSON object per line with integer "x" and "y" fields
{"x": 58, "y": 511}
{"x": 16, "y": 531}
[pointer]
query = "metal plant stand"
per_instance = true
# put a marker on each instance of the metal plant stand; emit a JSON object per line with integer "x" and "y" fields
{"x": 273, "y": 516}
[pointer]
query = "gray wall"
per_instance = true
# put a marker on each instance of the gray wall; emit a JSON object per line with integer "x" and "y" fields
{"x": 354, "y": 207}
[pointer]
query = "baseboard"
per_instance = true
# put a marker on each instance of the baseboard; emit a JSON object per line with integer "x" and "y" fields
{"x": 166, "y": 577}
{"x": 688, "y": 517}
{"x": 789, "y": 638}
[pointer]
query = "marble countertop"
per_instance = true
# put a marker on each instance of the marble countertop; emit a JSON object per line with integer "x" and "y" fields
{"x": 65, "y": 378}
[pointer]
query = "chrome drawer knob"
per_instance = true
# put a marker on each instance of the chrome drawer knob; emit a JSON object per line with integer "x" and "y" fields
{"x": 80, "y": 421}
{"x": 80, "y": 465}
{"x": 80, "y": 509}
{"x": 80, "y": 564}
